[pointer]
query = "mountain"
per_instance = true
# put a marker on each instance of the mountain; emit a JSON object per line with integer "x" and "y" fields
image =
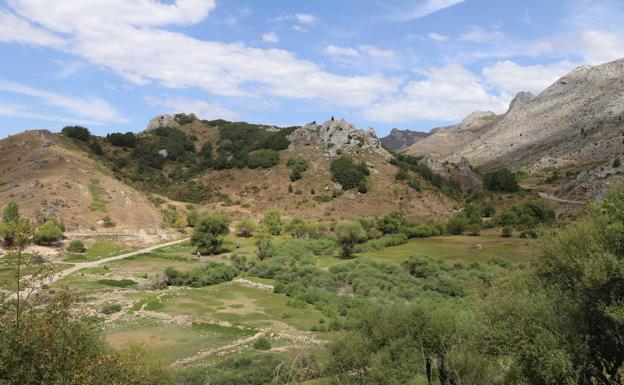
{"x": 399, "y": 140}
{"x": 145, "y": 182}
{"x": 575, "y": 125}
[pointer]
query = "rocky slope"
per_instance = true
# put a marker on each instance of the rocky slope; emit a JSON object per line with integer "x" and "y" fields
{"x": 400, "y": 140}
{"x": 575, "y": 124}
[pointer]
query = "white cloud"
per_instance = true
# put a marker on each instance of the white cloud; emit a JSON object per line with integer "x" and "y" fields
{"x": 422, "y": 9}
{"x": 19, "y": 111}
{"x": 270, "y": 37}
{"x": 202, "y": 109}
{"x": 299, "y": 28}
{"x": 93, "y": 108}
{"x": 133, "y": 46}
{"x": 446, "y": 93}
{"x": 348, "y": 52}
{"x": 512, "y": 78}
{"x": 305, "y": 18}
{"x": 15, "y": 29}
{"x": 376, "y": 52}
{"x": 437, "y": 37}
{"x": 479, "y": 35}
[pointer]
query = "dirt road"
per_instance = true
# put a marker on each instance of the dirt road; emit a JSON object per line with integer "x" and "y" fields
{"x": 559, "y": 200}
{"x": 87, "y": 265}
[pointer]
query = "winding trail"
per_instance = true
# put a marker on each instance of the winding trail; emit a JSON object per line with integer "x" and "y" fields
{"x": 553, "y": 198}
{"x": 87, "y": 265}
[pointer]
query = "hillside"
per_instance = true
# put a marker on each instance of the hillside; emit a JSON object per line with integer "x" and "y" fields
{"x": 50, "y": 177}
{"x": 575, "y": 125}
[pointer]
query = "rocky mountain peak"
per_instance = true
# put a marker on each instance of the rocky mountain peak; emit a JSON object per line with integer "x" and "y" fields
{"x": 520, "y": 99}
{"x": 399, "y": 140}
{"x": 475, "y": 119}
{"x": 162, "y": 121}
{"x": 335, "y": 137}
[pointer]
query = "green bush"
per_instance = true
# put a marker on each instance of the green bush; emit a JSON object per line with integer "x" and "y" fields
{"x": 458, "y": 224}
{"x": 76, "y": 132}
{"x": 507, "y": 232}
{"x": 110, "y": 308}
{"x": 76, "y": 246}
{"x": 349, "y": 174}
{"x": 502, "y": 180}
{"x": 117, "y": 282}
{"x": 48, "y": 233}
{"x": 211, "y": 274}
{"x": 273, "y": 221}
{"x": 487, "y": 210}
{"x": 263, "y": 159}
{"x": 298, "y": 166}
{"x": 527, "y": 214}
{"x": 262, "y": 343}
{"x": 349, "y": 234}
{"x": 474, "y": 230}
{"x": 128, "y": 140}
{"x": 208, "y": 233}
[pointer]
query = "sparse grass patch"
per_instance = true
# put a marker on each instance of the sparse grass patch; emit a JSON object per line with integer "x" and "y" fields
{"x": 97, "y": 196}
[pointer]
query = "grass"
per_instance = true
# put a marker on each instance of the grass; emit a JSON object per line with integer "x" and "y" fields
{"x": 97, "y": 196}
{"x": 117, "y": 282}
{"x": 452, "y": 248}
{"x": 102, "y": 248}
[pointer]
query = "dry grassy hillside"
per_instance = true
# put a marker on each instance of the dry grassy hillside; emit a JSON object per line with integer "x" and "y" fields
{"x": 51, "y": 178}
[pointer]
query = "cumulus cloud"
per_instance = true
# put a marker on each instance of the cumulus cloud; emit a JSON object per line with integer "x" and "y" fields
{"x": 437, "y": 37}
{"x": 136, "y": 47}
{"x": 94, "y": 109}
{"x": 201, "y": 108}
{"x": 512, "y": 78}
{"x": 333, "y": 50}
{"x": 376, "y": 52}
{"x": 446, "y": 93}
{"x": 270, "y": 37}
{"x": 305, "y": 18}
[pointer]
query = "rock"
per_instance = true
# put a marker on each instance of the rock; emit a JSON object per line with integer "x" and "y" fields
{"x": 520, "y": 99}
{"x": 163, "y": 153}
{"x": 337, "y": 137}
{"x": 162, "y": 121}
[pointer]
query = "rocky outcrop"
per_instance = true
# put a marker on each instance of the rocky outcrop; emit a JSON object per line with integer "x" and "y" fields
{"x": 399, "y": 140}
{"x": 461, "y": 172}
{"x": 162, "y": 121}
{"x": 336, "y": 137}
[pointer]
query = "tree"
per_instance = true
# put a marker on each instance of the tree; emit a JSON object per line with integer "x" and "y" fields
{"x": 263, "y": 158}
{"x": 502, "y": 180}
{"x": 298, "y": 228}
{"x": 209, "y": 232}
{"x": 390, "y": 223}
{"x": 48, "y": 233}
{"x": 77, "y": 132}
{"x": 487, "y": 210}
{"x": 273, "y": 221}
{"x": 349, "y": 234}
{"x": 263, "y": 243}
{"x": 11, "y": 212}
{"x": 458, "y": 224}
{"x": 128, "y": 140}
{"x": 245, "y": 227}
{"x": 507, "y": 232}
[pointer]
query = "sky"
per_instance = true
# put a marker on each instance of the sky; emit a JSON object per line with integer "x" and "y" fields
{"x": 111, "y": 65}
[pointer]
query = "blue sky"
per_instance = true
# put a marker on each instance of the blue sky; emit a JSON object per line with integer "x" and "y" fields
{"x": 111, "y": 65}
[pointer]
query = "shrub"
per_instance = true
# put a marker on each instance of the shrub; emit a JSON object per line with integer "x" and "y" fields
{"x": 348, "y": 234}
{"x": 96, "y": 147}
{"x": 76, "y": 132}
{"x": 209, "y": 232}
{"x": 474, "y": 230}
{"x": 110, "y": 308}
{"x": 402, "y": 174}
{"x": 388, "y": 240}
{"x": 299, "y": 228}
{"x": 507, "y": 232}
{"x": 273, "y": 221}
{"x": 48, "y": 233}
{"x": 529, "y": 234}
{"x": 263, "y": 158}
{"x": 422, "y": 231}
{"x": 262, "y": 343}
{"x": 211, "y": 274}
{"x": 108, "y": 222}
{"x": 128, "y": 140}
{"x": 245, "y": 227}
{"x": 263, "y": 244}
{"x": 390, "y": 223}
{"x": 117, "y": 282}
{"x": 487, "y": 210}
{"x": 527, "y": 214}
{"x": 348, "y": 173}
{"x": 298, "y": 166}
{"x": 458, "y": 224}
{"x": 76, "y": 246}
{"x": 617, "y": 163}
{"x": 362, "y": 187}
{"x": 502, "y": 180}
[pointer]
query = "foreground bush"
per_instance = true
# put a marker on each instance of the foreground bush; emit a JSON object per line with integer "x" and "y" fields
{"x": 52, "y": 346}
{"x": 208, "y": 233}
{"x": 211, "y": 274}
{"x": 76, "y": 246}
{"x": 349, "y": 174}
{"x": 48, "y": 233}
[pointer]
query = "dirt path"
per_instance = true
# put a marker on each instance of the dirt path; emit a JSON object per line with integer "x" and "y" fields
{"x": 553, "y": 198}
{"x": 87, "y": 265}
